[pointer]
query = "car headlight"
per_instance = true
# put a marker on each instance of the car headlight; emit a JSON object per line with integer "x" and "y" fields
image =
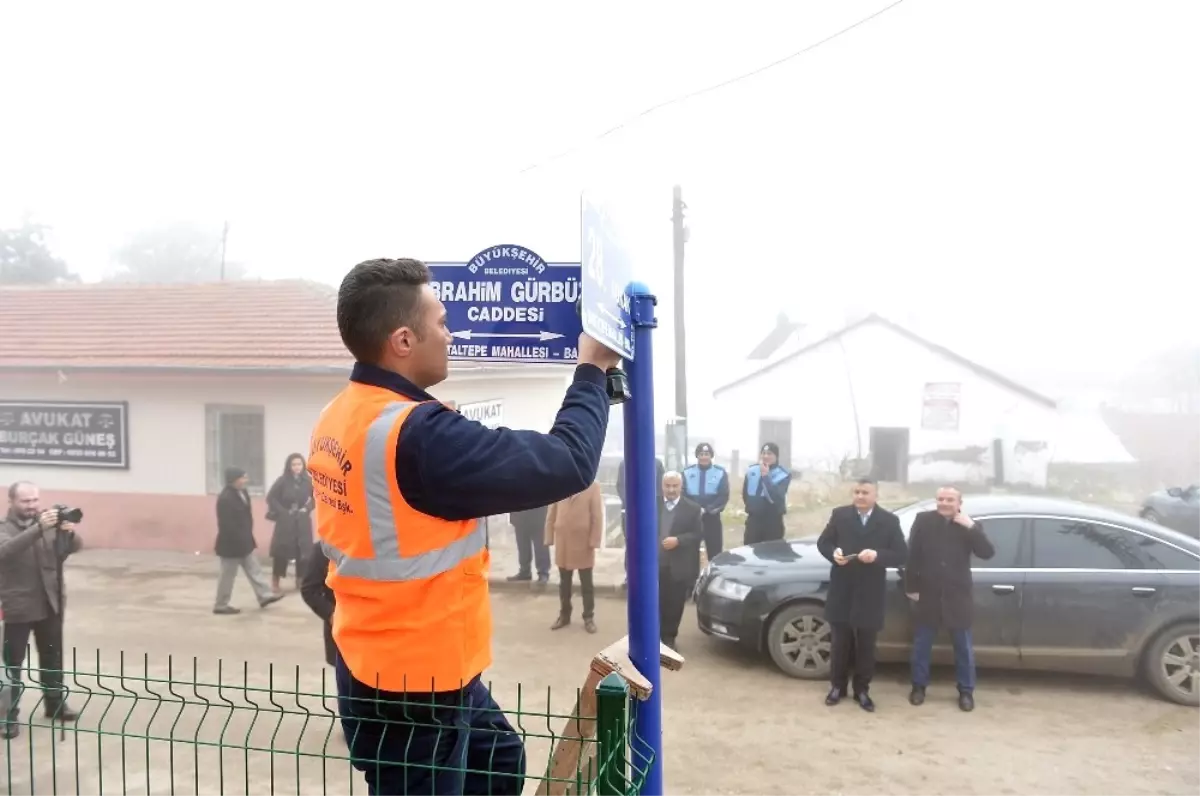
{"x": 730, "y": 589}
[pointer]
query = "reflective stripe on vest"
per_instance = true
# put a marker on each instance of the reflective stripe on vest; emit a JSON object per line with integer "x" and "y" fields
{"x": 389, "y": 564}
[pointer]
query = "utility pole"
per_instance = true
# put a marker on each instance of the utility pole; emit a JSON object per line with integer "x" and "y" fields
{"x": 680, "y": 234}
{"x": 224, "y": 238}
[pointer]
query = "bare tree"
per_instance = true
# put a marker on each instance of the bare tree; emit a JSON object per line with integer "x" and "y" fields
{"x": 178, "y": 252}
{"x": 25, "y": 259}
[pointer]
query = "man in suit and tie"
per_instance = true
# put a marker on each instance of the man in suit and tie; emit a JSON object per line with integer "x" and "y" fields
{"x": 680, "y": 528}
{"x": 861, "y": 541}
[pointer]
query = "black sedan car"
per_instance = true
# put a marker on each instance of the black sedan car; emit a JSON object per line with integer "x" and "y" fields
{"x": 1072, "y": 587}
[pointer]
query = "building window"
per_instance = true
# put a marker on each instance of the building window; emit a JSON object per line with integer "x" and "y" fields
{"x": 235, "y": 436}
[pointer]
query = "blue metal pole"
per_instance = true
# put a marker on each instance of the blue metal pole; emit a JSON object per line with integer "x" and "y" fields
{"x": 642, "y": 539}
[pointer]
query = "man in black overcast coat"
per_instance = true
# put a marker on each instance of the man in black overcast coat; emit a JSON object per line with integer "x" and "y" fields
{"x": 861, "y": 541}
{"x": 938, "y": 581}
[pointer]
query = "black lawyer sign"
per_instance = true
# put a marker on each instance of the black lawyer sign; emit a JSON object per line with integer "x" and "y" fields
{"x": 65, "y": 433}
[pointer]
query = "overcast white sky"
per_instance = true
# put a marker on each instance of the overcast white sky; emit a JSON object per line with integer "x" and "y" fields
{"x": 1015, "y": 179}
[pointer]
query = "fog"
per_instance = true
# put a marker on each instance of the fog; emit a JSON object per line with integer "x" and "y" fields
{"x": 1015, "y": 180}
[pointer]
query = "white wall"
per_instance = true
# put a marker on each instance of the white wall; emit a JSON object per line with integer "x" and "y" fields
{"x": 882, "y": 374}
{"x": 167, "y": 419}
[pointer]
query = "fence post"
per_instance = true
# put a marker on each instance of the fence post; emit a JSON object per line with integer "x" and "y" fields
{"x": 612, "y": 702}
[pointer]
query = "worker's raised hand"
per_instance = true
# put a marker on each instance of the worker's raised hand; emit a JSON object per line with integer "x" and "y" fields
{"x": 593, "y": 352}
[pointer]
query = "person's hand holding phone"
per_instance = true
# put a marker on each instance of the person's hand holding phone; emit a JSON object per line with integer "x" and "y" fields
{"x": 963, "y": 519}
{"x": 867, "y": 556}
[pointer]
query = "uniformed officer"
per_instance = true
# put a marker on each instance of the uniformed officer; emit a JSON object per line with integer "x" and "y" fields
{"x": 708, "y": 484}
{"x": 764, "y": 493}
{"x": 400, "y": 481}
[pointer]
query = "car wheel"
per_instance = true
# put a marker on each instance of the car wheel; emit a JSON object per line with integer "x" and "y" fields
{"x": 1150, "y": 515}
{"x": 1173, "y": 664}
{"x": 799, "y": 641}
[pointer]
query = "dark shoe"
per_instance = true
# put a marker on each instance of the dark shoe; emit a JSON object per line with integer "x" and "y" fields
{"x": 61, "y": 713}
{"x": 543, "y": 580}
{"x": 834, "y": 696}
{"x": 274, "y": 598}
{"x": 864, "y": 702}
{"x": 917, "y": 696}
{"x": 670, "y": 642}
{"x": 520, "y": 577}
{"x": 227, "y": 610}
{"x": 589, "y": 625}
{"x": 10, "y": 730}
{"x": 966, "y": 701}
{"x": 561, "y": 622}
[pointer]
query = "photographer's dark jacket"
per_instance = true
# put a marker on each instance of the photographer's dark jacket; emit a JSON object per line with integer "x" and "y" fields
{"x": 29, "y": 569}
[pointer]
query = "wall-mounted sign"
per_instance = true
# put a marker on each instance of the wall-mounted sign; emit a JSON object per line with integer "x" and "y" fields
{"x": 940, "y": 406}
{"x": 507, "y": 304}
{"x": 490, "y": 413}
{"x": 65, "y": 433}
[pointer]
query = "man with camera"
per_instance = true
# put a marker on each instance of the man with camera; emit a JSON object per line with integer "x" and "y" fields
{"x": 33, "y": 546}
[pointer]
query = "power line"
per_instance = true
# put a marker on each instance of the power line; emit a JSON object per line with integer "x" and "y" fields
{"x": 713, "y": 87}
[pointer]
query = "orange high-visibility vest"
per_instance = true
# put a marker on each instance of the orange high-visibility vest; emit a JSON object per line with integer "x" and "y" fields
{"x": 412, "y": 610}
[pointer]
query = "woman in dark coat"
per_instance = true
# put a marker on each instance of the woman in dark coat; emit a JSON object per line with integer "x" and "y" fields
{"x": 318, "y": 596}
{"x": 290, "y": 504}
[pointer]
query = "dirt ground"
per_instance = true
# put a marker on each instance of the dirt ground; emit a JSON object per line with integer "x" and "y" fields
{"x": 732, "y": 724}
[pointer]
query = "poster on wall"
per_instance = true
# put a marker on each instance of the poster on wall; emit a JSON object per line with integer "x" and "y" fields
{"x": 940, "y": 407}
{"x": 65, "y": 433}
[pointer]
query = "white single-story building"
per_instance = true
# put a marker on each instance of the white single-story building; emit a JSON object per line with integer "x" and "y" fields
{"x": 874, "y": 397}
{"x": 130, "y": 400}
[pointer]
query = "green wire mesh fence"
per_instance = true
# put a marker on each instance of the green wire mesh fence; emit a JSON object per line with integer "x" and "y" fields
{"x": 188, "y": 728}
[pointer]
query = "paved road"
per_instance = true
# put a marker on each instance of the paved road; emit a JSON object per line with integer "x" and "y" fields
{"x": 732, "y": 724}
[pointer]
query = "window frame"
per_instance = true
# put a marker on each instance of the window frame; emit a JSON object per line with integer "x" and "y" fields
{"x": 1024, "y": 542}
{"x": 214, "y": 465}
{"x": 1108, "y": 524}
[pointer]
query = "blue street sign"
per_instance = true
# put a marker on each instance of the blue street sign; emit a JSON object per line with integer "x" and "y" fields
{"x": 607, "y": 272}
{"x": 506, "y": 304}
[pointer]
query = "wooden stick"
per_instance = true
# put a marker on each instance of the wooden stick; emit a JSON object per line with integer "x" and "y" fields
{"x": 572, "y": 754}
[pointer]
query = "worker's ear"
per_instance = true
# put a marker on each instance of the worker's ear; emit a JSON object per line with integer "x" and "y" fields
{"x": 402, "y": 341}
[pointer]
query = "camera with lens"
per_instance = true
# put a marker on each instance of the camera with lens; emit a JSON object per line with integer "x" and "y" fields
{"x": 67, "y": 514}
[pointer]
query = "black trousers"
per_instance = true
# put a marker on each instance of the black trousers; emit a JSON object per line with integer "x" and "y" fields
{"x": 447, "y": 742}
{"x": 672, "y": 597}
{"x": 585, "y": 585}
{"x": 48, "y": 638}
{"x": 763, "y": 528}
{"x": 532, "y": 551}
{"x": 853, "y": 648}
{"x": 714, "y": 535}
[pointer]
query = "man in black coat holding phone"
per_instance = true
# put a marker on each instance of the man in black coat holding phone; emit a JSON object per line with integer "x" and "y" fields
{"x": 861, "y": 541}
{"x": 938, "y": 581}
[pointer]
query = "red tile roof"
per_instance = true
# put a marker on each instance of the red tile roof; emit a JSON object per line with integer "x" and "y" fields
{"x": 244, "y": 325}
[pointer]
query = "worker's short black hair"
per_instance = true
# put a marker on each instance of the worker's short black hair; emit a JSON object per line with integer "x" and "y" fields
{"x": 376, "y": 298}
{"x": 866, "y": 481}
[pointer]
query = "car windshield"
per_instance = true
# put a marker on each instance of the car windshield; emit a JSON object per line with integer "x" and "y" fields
{"x": 907, "y": 514}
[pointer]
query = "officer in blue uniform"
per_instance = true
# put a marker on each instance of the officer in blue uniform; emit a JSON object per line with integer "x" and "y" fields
{"x": 765, "y": 494}
{"x": 708, "y": 484}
